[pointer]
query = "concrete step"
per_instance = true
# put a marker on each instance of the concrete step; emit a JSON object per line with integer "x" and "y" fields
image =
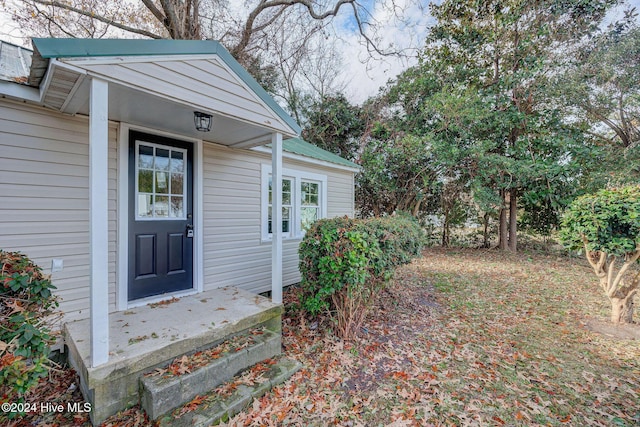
{"x": 220, "y": 405}
{"x": 167, "y": 388}
{"x": 144, "y": 338}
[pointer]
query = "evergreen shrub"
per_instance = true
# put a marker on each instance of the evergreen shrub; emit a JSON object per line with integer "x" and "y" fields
{"x": 346, "y": 262}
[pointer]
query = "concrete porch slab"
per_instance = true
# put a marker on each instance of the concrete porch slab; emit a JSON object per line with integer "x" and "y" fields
{"x": 143, "y": 338}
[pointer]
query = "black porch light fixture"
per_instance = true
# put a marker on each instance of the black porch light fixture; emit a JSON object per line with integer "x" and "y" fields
{"x": 202, "y": 121}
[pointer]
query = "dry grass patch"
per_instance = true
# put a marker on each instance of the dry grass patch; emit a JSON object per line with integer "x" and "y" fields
{"x": 465, "y": 337}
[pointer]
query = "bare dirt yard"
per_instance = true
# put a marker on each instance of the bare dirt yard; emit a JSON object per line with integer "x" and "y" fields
{"x": 461, "y": 337}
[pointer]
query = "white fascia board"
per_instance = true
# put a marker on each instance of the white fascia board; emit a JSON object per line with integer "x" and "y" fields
{"x": 306, "y": 159}
{"x": 106, "y": 60}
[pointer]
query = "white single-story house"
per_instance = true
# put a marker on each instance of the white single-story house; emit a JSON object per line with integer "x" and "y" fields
{"x": 106, "y": 183}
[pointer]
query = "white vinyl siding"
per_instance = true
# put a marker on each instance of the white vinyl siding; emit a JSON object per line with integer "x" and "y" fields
{"x": 234, "y": 251}
{"x": 44, "y": 191}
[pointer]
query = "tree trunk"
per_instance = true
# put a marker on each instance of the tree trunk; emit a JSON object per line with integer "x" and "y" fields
{"x": 445, "y": 231}
{"x": 621, "y": 287}
{"x": 416, "y": 208}
{"x": 513, "y": 220}
{"x": 622, "y": 309}
{"x": 502, "y": 243}
{"x": 485, "y": 234}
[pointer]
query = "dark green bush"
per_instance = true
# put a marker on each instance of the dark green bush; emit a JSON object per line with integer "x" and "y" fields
{"x": 346, "y": 262}
{"x": 26, "y": 302}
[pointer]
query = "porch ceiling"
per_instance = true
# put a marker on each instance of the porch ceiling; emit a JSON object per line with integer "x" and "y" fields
{"x": 144, "y": 109}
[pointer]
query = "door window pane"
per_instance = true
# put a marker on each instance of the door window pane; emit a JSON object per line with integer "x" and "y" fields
{"x": 145, "y": 206}
{"x": 177, "y": 181}
{"x": 145, "y": 157}
{"x": 177, "y": 207}
{"x": 162, "y": 159}
{"x": 145, "y": 181}
{"x": 160, "y": 182}
{"x": 161, "y": 207}
{"x": 177, "y": 161}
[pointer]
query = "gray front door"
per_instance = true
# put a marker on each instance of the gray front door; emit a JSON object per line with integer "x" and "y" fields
{"x": 160, "y": 215}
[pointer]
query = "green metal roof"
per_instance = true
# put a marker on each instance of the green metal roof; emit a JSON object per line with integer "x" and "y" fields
{"x": 303, "y": 148}
{"x": 84, "y": 48}
{"x": 81, "y": 48}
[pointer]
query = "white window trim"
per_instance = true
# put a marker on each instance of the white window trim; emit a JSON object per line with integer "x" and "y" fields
{"x": 296, "y": 176}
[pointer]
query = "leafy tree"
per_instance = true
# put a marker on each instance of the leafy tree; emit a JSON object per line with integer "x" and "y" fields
{"x": 602, "y": 94}
{"x": 607, "y": 226}
{"x": 335, "y": 125}
{"x": 185, "y": 19}
{"x": 481, "y": 92}
{"x": 397, "y": 176}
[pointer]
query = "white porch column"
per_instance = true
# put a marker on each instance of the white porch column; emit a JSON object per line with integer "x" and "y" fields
{"x": 98, "y": 221}
{"x": 276, "y": 218}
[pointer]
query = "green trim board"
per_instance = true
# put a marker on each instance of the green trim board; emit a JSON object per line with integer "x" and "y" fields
{"x": 48, "y": 48}
{"x": 85, "y": 48}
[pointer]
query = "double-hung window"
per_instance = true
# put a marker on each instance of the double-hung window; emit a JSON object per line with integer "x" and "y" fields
{"x": 287, "y": 206}
{"x": 309, "y": 203}
{"x": 304, "y": 200}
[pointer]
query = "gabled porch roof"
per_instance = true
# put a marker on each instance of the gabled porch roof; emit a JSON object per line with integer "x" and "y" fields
{"x": 150, "y": 80}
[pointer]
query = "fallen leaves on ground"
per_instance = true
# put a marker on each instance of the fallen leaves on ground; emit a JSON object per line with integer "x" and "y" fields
{"x": 464, "y": 337}
{"x": 163, "y": 303}
{"x": 461, "y": 337}
{"x": 188, "y": 363}
{"x": 60, "y": 387}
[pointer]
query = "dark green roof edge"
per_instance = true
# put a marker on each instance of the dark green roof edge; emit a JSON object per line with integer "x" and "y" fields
{"x": 304, "y": 148}
{"x": 84, "y": 48}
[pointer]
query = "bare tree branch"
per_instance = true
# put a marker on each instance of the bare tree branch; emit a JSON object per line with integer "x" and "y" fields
{"x": 154, "y": 10}
{"x": 265, "y": 5}
{"x": 100, "y": 18}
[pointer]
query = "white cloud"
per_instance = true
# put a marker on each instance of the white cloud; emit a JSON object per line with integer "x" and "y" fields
{"x": 396, "y": 26}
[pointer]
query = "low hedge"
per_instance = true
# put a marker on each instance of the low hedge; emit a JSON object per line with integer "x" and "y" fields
{"x": 346, "y": 262}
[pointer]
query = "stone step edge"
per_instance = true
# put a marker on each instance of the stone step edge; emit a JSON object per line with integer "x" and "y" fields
{"x": 160, "y": 395}
{"x": 223, "y": 408}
